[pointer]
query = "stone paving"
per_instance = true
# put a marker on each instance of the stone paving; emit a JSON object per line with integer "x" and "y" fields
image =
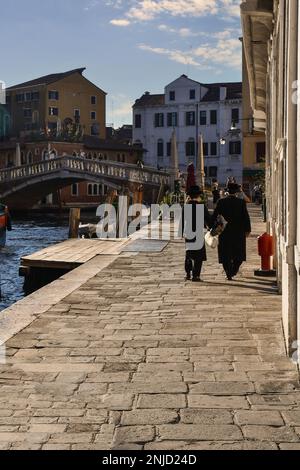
{"x": 136, "y": 358}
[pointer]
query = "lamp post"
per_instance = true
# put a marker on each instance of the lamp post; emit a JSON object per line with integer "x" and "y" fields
{"x": 234, "y": 131}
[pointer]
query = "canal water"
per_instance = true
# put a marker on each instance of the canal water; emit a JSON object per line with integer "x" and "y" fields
{"x": 28, "y": 235}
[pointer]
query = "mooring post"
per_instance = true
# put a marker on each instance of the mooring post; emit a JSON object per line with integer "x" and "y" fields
{"x": 74, "y": 220}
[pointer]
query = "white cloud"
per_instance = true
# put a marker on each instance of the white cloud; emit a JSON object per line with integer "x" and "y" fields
{"x": 225, "y": 51}
{"x": 120, "y": 22}
{"x": 150, "y": 9}
{"x": 175, "y": 55}
{"x": 183, "y": 32}
{"x": 147, "y": 10}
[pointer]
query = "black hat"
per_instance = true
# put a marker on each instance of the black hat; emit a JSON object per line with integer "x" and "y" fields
{"x": 233, "y": 188}
{"x": 194, "y": 191}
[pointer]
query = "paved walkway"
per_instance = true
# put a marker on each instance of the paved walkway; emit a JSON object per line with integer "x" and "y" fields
{"x": 137, "y": 358}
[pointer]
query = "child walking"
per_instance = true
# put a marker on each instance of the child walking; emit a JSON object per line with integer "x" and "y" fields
{"x": 194, "y": 258}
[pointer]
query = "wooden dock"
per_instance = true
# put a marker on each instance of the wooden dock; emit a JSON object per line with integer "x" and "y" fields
{"x": 72, "y": 253}
{"x": 49, "y": 264}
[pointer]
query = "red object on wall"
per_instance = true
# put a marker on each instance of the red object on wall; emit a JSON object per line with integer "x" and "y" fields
{"x": 265, "y": 250}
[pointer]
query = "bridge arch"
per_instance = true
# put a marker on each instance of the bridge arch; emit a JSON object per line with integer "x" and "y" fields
{"x": 30, "y": 183}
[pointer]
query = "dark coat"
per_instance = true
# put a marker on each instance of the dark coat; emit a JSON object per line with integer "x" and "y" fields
{"x": 201, "y": 254}
{"x": 232, "y": 242}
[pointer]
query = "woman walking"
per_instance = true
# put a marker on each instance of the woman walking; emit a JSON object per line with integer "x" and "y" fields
{"x": 232, "y": 242}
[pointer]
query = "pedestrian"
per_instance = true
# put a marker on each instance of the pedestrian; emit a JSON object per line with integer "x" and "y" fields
{"x": 242, "y": 195}
{"x": 5, "y": 224}
{"x": 232, "y": 242}
{"x": 216, "y": 194}
{"x": 194, "y": 258}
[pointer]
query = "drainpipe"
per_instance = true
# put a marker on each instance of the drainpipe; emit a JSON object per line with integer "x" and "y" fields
{"x": 291, "y": 183}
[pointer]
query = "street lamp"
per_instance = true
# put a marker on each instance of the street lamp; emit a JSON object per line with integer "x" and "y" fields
{"x": 235, "y": 131}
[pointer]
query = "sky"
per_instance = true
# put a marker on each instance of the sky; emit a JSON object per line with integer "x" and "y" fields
{"x": 127, "y": 46}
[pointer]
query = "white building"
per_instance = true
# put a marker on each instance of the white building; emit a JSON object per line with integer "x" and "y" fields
{"x": 192, "y": 108}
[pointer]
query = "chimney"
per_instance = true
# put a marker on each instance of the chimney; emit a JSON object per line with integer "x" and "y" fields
{"x": 223, "y": 93}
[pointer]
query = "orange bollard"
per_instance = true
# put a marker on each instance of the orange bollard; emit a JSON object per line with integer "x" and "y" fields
{"x": 265, "y": 251}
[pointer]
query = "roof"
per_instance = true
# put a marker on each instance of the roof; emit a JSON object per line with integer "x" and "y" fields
{"x": 92, "y": 142}
{"x": 150, "y": 100}
{"x": 234, "y": 91}
{"x": 48, "y": 79}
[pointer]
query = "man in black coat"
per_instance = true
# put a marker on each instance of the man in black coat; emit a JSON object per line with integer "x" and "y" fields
{"x": 194, "y": 258}
{"x": 232, "y": 242}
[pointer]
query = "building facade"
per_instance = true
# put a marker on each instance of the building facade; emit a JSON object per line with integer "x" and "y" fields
{"x": 271, "y": 35}
{"x": 191, "y": 108}
{"x": 54, "y": 102}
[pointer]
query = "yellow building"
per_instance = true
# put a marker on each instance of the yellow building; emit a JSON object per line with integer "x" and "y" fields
{"x": 254, "y": 141}
{"x": 51, "y": 103}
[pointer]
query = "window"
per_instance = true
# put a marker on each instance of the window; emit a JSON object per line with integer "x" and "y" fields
{"x": 172, "y": 119}
{"x": 205, "y": 149}
{"x": 138, "y": 121}
{"x": 192, "y": 94}
{"x": 260, "y": 152}
{"x": 53, "y": 111}
{"x": 20, "y": 97}
{"x": 96, "y": 188}
{"x": 213, "y": 117}
{"x": 95, "y": 129}
{"x": 35, "y": 117}
{"x": 203, "y": 118}
{"x": 235, "y": 115}
{"x": 213, "y": 149}
{"x": 169, "y": 147}
{"x": 235, "y": 148}
{"x": 93, "y": 115}
{"x": 74, "y": 190}
{"x": 35, "y": 96}
{"x": 172, "y": 96}
{"x": 160, "y": 148}
{"x": 159, "y": 120}
{"x": 28, "y": 96}
{"x": 190, "y": 118}
{"x": 53, "y": 95}
{"x": 213, "y": 171}
{"x": 90, "y": 189}
{"x": 190, "y": 148}
{"x": 29, "y": 157}
{"x": 52, "y": 126}
{"x": 28, "y": 113}
{"x": 93, "y": 99}
{"x": 77, "y": 114}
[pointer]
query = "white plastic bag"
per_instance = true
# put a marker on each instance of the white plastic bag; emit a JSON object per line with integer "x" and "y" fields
{"x": 211, "y": 241}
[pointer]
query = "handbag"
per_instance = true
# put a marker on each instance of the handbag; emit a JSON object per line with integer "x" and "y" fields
{"x": 211, "y": 241}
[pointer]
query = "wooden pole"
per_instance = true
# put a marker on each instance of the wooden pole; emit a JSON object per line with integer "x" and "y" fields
{"x": 74, "y": 220}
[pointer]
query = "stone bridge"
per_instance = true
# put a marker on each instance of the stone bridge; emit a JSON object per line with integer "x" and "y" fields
{"x": 23, "y": 186}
